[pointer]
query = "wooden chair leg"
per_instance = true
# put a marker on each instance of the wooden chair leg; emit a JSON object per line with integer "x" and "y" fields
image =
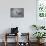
{"x": 17, "y": 39}
{"x": 5, "y": 39}
{"x": 5, "y": 43}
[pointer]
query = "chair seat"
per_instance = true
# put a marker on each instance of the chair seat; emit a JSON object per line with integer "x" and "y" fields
{"x": 9, "y": 34}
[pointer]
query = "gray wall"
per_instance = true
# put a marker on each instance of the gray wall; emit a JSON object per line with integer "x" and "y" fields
{"x": 23, "y": 23}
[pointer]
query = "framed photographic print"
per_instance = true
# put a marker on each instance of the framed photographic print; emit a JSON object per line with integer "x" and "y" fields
{"x": 17, "y": 12}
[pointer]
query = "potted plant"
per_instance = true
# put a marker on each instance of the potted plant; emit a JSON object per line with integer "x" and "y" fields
{"x": 38, "y": 27}
{"x": 35, "y": 26}
{"x": 39, "y": 35}
{"x": 42, "y": 27}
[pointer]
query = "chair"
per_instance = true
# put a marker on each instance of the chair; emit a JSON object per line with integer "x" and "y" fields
{"x": 14, "y": 32}
{"x": 25, "y": 36}
{"x": 7, "y": 35}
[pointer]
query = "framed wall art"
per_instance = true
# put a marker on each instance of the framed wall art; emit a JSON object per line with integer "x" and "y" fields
{"x": 17, "y": 12}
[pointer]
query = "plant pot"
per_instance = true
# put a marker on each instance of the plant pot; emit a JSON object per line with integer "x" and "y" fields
{"x": 40, "y": 41}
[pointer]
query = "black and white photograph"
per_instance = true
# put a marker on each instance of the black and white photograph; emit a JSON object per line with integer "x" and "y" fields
{"x": 17, "y": 12}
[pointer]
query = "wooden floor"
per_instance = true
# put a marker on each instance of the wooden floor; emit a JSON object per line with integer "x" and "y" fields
{"x": 13, "y": 44}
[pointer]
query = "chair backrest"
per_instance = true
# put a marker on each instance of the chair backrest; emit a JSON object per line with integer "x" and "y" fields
{"x": 24, "y": 37}
{"x": 14, "y": 30}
